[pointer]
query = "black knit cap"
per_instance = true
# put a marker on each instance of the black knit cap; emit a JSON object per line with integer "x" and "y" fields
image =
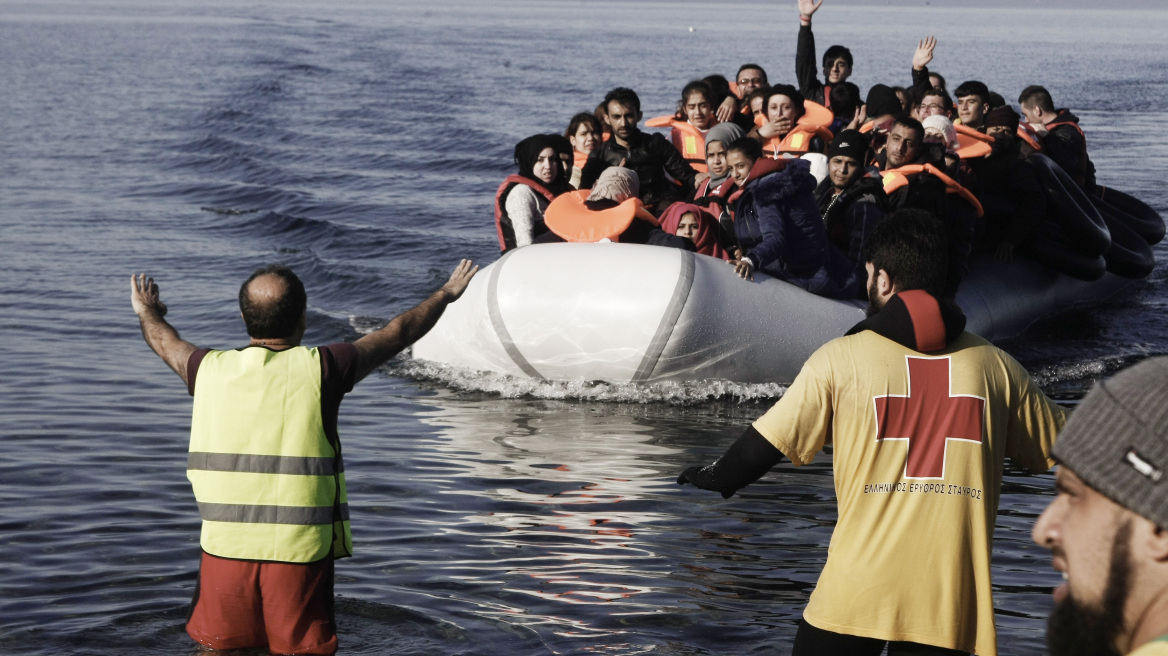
{"x": 1003, "y": 116}
{"x": 850, "y": 143}
{"x": 1117, "y": 440}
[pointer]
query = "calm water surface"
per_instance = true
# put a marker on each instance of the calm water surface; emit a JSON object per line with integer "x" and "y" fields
{"x": 362, "y": 144}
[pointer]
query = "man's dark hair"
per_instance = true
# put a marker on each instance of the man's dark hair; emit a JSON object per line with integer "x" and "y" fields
{"x": 912, "y": 248}
{"x": 747, "y": 146}
{"x": 912, "y": 124}
{"x": 920, "y": 93}
{"x": 273, "y": 319}
{"x": 995, "y": 100}
{"x": 939, "y": 77}
{"x": 623, "y": 96}
{"x": 747, "y": 67}
{"x": 581, "y": 118}
{"x": 1036, "y": 96}
{"x": 973, "y": 88}
{"x": 719, "y": 86}
{"x": 845, "y": 99}
{"x": 833, "y": 53}
{"x": 790, "y": 92}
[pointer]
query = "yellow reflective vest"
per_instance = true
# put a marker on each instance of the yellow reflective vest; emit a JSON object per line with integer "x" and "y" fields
{"x": 269, "y": 484}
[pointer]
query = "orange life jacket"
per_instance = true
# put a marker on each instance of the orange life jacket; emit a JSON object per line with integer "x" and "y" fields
{"x": 503, "y": 223}
{"x": 579, "y": 159}
{"x": 971, "y": 143}
{"x": 813, "y": 123}
{"x": 1028, "y": 134}
{"x": 896, "y": 178}
{"x": 570, "y": 218}
{"x": 687, "y": 139}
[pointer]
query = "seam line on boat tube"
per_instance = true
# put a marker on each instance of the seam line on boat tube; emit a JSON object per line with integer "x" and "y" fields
{"x": 497, "y": 320}
{"x": 669, "y": 318}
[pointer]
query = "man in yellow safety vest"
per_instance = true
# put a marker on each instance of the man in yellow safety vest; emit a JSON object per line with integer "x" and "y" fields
{"x": 265, "y": 458}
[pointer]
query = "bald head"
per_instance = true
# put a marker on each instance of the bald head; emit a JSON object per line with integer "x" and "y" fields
{"x": 273, "y": 303}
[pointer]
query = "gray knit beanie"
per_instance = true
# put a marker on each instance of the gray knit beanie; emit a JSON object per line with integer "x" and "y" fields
{"x": 1117, "y": 439}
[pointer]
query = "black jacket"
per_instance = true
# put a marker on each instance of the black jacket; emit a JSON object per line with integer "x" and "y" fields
{"x": 652, "y": 156}
{"x": 1010, "y": 194}
{"x": 851, "y": 215}
{"x": 1067, "y": 146}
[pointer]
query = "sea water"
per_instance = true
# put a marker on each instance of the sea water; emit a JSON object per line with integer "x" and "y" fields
{"x": 361, "y": 143}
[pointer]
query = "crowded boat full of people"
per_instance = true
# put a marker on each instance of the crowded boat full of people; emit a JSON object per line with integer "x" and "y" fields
{"x": 782, "y": 185}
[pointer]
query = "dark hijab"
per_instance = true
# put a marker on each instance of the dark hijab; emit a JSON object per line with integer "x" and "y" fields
{"x": 527, "y": 152}
{"x": 564, "y": 150}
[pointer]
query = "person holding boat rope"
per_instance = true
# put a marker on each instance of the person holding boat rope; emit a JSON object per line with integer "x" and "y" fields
{"x": 265, "y": 458}
{"x": 920, "y": 415}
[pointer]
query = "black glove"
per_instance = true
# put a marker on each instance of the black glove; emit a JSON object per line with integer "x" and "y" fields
{"x": 751, "y": 456}
{"x": 703, "y": 477}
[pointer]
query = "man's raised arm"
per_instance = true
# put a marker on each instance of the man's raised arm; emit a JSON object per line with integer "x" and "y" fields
{"x": 408, "y": 327}
{"x": 159, "y": 335}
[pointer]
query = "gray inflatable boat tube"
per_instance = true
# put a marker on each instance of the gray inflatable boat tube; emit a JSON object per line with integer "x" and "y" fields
{"x": 633, "y": 313}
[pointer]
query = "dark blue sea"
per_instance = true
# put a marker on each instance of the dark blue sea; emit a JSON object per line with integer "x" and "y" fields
{"x": 361, "y": 144}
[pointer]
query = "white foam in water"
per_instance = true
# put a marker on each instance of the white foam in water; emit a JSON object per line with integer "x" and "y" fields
{"x": 690, "y": 392}
{"x": 1089, "y": 370}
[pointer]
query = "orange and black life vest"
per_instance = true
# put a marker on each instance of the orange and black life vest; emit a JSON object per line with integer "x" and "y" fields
{"x": 813, "y": 123}
{"x": 687, "y": 139}
{"x": 971, "y": 143}
{"x": 503, "y": 222}
{"x": 896, "y": 178}
{"x": 1029, "y": 135}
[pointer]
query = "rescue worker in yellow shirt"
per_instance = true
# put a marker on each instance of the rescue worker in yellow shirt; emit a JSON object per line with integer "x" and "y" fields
{"x": 265, "y": 459}
{"x": 920, "y": 415}
{"x": 1107, "y": 529}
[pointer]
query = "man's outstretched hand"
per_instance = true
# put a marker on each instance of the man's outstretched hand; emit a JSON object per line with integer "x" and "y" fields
{"x": 459, "y": 279}
{"x": 703, "y": 477}
{"x": 808, "y": 7}
{"x": 144, "y": 296}
{"x": 924, "y": 53}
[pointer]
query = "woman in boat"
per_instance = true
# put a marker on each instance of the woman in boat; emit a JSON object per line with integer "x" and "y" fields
{"x": 784, "y": 107}
{"x": 695, "y": 224}
{"x": 522, "y": 198}
{"x": 584, "y": 133}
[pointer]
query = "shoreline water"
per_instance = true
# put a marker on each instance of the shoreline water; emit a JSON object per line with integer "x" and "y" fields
{"x": 362, "y": 145}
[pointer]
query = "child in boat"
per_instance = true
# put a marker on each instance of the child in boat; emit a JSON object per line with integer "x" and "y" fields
{"x": 778, "y": 225}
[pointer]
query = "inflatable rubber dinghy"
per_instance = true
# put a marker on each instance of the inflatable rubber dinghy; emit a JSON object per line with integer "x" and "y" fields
{"x": 632, "y": 313}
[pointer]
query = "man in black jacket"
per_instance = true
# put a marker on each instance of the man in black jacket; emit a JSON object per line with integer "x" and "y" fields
{"x": 1007, "y": 187}
{"x": 851, "y": 199}
{"x": 1062, "y": 138}
{"x": 837, "y": 61}
{"x": 651, "y": 156}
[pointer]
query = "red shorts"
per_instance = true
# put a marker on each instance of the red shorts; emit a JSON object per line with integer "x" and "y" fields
{"x": 285, "y": 607}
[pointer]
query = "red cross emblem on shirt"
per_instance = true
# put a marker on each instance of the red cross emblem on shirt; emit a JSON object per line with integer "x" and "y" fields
{"x": 929, "y": 417}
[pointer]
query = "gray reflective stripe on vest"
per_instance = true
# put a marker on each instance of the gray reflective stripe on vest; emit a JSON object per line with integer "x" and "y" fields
{"x": 253, "y": 464}
{"x": 234, "y": 512}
